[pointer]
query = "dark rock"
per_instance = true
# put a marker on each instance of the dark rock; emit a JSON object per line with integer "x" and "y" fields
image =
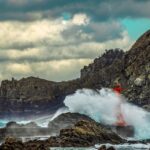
{"x": 31, "y": 129}
{"x": 66, "y": 120}
{"x": 137, "y": 70}
{"x": 103, "y": 147}
{"x": 123, "y": 131}
{"x": 84, "y": 134}
{"x": 111, "y": 148}
{"x": 131, "y": 69}
{"x": 13, "y": 144}
{"x": 33, "y": 96}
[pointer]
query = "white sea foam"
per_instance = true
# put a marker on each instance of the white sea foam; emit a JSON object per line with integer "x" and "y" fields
{"x": 102, "y": 106}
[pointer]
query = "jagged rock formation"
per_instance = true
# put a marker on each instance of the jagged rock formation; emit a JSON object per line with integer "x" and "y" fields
{"x": 104, "y": 70}
{"x": 36, "y": 96}
{"x": 12, "y": 143}
{"x": 32, "y": 96}
{"x": 31, "y": 129}
{"x": 131, "y": 69}
{"x": 82, "y": 134}
{"x": 65, "y": 121}
{"x": 137, "y": 71}
{"x": 106, "y": 60}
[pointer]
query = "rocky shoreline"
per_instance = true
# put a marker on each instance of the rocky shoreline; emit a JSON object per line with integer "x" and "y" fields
{"x": 82, "y": 134}
{"x": 67, "y": 130}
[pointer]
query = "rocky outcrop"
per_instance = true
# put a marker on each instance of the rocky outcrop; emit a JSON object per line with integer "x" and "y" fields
{"x": 13, "y": 144}
{"x": 103, "y": 147}
{"x": 84, "y": 134}
{"x": 33, "y": 131}
{"x": 37, "y": 96}
{"x": 106, "y": 60}
{"x": 137, "y": 71}
{"x": 65, "y": 121}
{"x": 104, "y": 70}
{"x": 131, "y": 69}
{"x": 33, "y": 96}
{"x": 13, "y": 125}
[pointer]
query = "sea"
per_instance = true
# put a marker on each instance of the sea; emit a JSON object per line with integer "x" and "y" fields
{"x": 117, "y": 147}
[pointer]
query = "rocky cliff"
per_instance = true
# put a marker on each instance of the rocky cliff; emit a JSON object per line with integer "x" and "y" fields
{"x": 132, "y": 69}
{"x": 137, "y": 71}
{"x": 33, "y": 96}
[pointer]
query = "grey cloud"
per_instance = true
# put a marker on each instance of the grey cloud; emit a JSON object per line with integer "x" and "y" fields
{"x": 74, "y": 42}
{"x": 95, "y": 31}
{"x": 52, "y": 70}
{"x": 99, "y": 9}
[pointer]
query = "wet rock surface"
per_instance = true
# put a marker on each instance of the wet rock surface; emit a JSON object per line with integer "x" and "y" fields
{"x": 131, "y": 69}
{"x": 83, "y": 134}
{"x": 29, "y": 130}
{"x": 66, "y": 120}
{"x": 78, "y": 133}
{"x": 103, "y": 147}
{"x": 13, "y": 144}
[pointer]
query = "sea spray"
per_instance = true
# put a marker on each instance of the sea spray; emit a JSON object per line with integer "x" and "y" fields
{"x": 99, "y": 105}
{"x": 102, "y": 106}
{"x": 59, "y": 112}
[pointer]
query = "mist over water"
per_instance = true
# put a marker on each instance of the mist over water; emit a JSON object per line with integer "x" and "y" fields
{"x": 102, "y": 106}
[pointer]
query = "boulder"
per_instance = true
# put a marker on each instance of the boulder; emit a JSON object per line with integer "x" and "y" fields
{"x": 66, "y": 120}
{"x": 13, "y": 144}
{"x": 84, "y": 134}
{"x": 103, "y": 147}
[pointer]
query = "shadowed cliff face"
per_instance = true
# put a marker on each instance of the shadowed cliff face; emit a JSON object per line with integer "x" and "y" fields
{"x": 137, "y": 71}
{"x": 131, "y": 69}
{"x": 34, "y": 96}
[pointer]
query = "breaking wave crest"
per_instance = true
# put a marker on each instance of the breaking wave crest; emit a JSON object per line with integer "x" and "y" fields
{"x": 102, "y": 106}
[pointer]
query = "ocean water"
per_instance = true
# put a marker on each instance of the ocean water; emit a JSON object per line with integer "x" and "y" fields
{"x": 117, "y": 147}
{"x": 3, "y": 123}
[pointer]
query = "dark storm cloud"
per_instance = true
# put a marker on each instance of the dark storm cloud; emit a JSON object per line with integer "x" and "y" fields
{"x": 99, "y": 9}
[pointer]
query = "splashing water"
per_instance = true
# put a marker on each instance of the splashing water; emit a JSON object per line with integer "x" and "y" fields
{"x": 102, "y": 106}
{"x": 3, "y": 123}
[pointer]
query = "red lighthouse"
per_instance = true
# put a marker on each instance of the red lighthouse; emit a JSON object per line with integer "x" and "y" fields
{"x": 120, "y": 119}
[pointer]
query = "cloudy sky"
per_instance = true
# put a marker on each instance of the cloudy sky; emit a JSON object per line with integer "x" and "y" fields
{"x": 54, "y": 39}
